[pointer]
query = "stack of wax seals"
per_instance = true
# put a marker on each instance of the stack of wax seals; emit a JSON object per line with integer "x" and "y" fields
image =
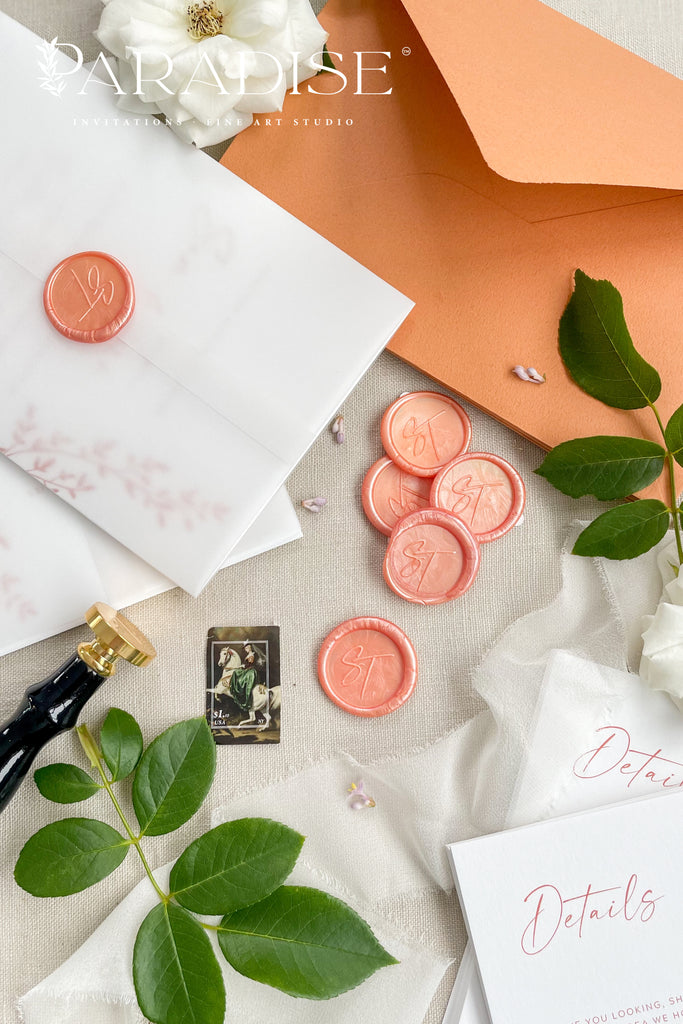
{"x": 435, "y": 500}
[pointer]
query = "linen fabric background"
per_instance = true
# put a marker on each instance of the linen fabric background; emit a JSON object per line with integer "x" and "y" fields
{"x": 307, "y": 588}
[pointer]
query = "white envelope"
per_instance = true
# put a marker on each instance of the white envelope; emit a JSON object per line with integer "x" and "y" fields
{"x": 54, "y": 563}
{"x": 248, "y": 333}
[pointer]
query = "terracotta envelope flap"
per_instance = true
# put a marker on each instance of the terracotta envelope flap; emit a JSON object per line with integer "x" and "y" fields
{"x": 550, "y": 100}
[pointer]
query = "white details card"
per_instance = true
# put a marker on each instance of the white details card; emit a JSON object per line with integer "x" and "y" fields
{"x": 577, "y": 920}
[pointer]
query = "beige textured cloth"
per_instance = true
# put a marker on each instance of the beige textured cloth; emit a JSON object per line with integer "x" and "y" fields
{"x": 307, "y": 588}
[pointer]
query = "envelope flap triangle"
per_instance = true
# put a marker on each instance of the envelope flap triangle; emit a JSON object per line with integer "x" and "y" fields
{"x": 548, "y": 100}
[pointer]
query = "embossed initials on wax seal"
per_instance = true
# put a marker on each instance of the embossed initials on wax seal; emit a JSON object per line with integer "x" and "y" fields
{"x": 466, "y": 492}
{"x": 360, "y": 667}
{"x": 412, "y": 430}
{"x": 89, "y": 297}
{"x": 97, "y": 292}
{"x": 409, "y": 500}
{"x": 420, "y": 558}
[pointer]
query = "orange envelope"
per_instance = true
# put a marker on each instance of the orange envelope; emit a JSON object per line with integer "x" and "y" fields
{"x": 419, "y": 189}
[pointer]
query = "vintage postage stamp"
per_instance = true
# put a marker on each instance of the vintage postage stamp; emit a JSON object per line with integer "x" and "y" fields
{"x": 243, "y": 684}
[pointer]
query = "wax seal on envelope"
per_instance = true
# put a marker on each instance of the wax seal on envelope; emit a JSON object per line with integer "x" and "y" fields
{"x": 484, "y": 491}
{"x": 89, "y": 297}
{"x": 367, "y": 666}
{"x": 431, "y": 558}
{"x": 423, "y": 431}
{"x": 389, "y": 493}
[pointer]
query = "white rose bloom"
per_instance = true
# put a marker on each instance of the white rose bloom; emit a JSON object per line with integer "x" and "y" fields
{"x": 661, "y": 665}
{"x": 218, "y": 62}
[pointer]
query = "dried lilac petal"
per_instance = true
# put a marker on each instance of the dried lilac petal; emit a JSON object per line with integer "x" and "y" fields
{"x": 337, "y": 429}
{"x": 339, "y": 437}
{"x": 314, "y": 504}
{"x": 520, "y": 372}
{"x": 529, "y": 374}
{"x": 359, "y": 798}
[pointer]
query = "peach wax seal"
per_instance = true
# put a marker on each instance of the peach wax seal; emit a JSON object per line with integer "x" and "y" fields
{"x": 484, "y": 491}
{"x": 389, "y": 493}
{"x": 367, "y": 666}
{"x": 89, "y": 297}
{"x": 423, "y": 431}
{"x": 431, "y": 558}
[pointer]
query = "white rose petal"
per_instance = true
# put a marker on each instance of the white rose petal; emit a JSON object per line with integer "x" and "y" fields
{"x": 168, "y": 40}
{"x": 173, "y": 109}
{"x": 262, "y": 95}
{"x": 118, "y": 13}
{"x": 307, "y": 33}
{"x": 249, "y": 17}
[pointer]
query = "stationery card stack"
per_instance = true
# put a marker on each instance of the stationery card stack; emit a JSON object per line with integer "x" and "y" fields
{"x": 576, "y": 919}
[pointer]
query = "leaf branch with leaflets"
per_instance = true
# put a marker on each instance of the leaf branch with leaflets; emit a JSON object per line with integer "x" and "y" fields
{"x": 600, "y": 357}
{"x": 302, "y": 941}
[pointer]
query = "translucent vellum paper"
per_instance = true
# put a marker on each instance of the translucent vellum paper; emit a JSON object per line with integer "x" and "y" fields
{"x": 249, "y": 329}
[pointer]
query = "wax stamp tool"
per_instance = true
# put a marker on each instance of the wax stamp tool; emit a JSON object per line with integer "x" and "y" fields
{"x": 53, "y": 705}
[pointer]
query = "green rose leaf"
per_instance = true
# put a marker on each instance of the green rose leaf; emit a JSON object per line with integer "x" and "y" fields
{"x": 626, "y": 531}
{"x": 328, "y": 63}
{"x": 68, "y": 856}
{"x": 234, "y": 865}
{"x": 303, "y": 942}
{"x": 608, "y": 467}
{"x": 173, "y": 776}
{"x": 65, "y": 783}
{"x": 177, "y": 977}
{"x": 121, "y": 743}
{"x": 597, "y": 349}
{"x": 674, "y": 435}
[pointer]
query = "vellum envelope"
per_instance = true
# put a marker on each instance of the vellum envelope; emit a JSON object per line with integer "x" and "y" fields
{"x": 248, "y": 333}
{"x": 55, "y": 562}
{"x": 421, "y": 187}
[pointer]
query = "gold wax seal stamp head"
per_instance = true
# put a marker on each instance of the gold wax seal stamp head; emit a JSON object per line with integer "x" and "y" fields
{"x": 115, "y": 637}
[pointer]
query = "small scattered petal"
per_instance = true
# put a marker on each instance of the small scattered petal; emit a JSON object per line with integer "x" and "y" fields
{"x": 358, "y": 797}
{"x": 529, "y": 374}
{"x": 314, "y": 504}
{"x": 338, "y": 426}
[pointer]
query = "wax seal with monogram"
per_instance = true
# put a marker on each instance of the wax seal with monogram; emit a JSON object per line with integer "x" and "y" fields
{"x": 367, "y": 666}
{"x": 423, "y": 431}
{"x": 432, "y": 557}
{"x": 483, "y": 490}
{"x": 89, "y": 297}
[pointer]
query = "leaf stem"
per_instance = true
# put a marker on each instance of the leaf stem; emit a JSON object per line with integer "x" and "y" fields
{"x": 672, "y": 487}
{"x": 674, "y": 507}
{"x": 95, "y": 756}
